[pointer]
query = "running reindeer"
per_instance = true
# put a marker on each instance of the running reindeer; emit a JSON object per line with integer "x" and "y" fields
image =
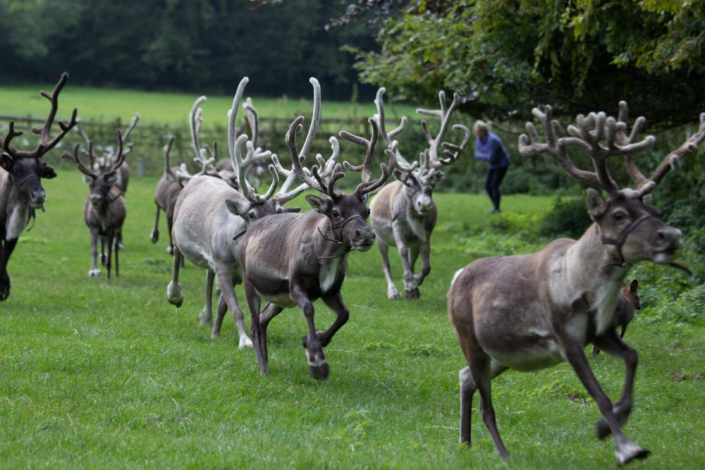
{"x": 104, "y": 211}
{"x": 293, "y": 259}
{"x": 404, "y": 212}
{"x": 533, "y": 311}
{"x": 210, "y": 218}
{"x": 21, "y": 191}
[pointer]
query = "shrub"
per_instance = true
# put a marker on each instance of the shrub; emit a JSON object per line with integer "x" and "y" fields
{"x": 569, "y": 217}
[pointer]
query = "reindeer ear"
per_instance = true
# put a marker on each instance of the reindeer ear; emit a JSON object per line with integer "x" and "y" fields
{"x": 6, "y": 162}
{"x": 322, "y": 205}
{"x": 634, "y": 286}
{"x": 596, "y": 204}
{"x": 239, "y": 207}
{"x": 402, "y": 176}
{"x": 49, "y": 172}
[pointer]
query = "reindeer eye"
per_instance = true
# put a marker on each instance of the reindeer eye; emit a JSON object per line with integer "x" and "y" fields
{"x": 252, "y": 215}
{"x": 335, "y": 213}
{"x": 618, "y": 216}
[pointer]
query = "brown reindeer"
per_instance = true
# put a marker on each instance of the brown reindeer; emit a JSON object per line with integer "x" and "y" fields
{"x": 104, "y": 211}
{"x": 404, "y": 213}
{"x": 293, "y": 259}
{"x": 533, "y": 311}
{"x": 210, "y": 218}
{"x": 21, "y": 191}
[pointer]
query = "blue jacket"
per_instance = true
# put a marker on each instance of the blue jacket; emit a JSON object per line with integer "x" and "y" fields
{"x": 492, "y": 150}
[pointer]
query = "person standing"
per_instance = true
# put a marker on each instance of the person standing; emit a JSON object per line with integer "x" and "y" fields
{"x": 490, "y": 148}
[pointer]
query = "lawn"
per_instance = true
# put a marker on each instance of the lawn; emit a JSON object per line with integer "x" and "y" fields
{"x": 107, "y": 374}
{"x": 171, "y": 108}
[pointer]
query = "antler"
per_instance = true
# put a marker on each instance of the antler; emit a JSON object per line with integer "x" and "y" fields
{"x": 645, "y": 185}
{"x": 401, "y": 162}
{"x": 46, "y": 143}
{"x": 435, "y": 142}
{"x": 75, "y": 158}
{"x": 589, "y": 133}
{"x": 253, "y": 155}
{"x": 131, "y": 127}
{"x": 367, "y": 186}
{"x": 167, "y": 150}
{"x": 252, "y": 117}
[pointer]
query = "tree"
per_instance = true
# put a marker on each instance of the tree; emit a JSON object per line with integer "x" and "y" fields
{"x": 507, "y": 56}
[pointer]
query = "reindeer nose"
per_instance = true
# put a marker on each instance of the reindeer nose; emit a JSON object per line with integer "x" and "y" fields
{"x": 670, "y": 235}
{"x": 38, "y": 196}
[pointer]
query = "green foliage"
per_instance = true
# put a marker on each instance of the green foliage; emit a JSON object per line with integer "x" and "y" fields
{"x": 507, "y": 56}
{"x": 569, "y": 218}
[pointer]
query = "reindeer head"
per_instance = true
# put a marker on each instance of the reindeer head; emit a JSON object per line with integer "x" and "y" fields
{"x": 627, "y": 225}
{"x": 347, "y": 213}
{"x": 99, "y": 181}
{"x": 26, "y": 168}
{"x": 420, "y": 177}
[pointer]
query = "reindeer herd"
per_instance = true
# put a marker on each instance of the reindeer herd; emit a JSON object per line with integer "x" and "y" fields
{"x": 525, "y": 312}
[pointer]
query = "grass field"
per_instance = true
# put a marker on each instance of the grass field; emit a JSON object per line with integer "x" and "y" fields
{"x": 170, "y": 108}
{"x": 98, "y": 374}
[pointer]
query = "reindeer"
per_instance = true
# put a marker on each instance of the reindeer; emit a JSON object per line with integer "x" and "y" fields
{"x": 211, "y": 217}
{"x": 404, "y": 213}
{"x": 294, "y": 259}
{"x": 104, "y": 211}
{"x": 101, "y": 164}
{"x": 533, "y": 311}
{"x": 21, "y": 191}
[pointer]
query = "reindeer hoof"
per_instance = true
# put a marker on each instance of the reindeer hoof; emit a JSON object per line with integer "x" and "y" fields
{"x": 5, "y": 288}
{"x": 173, "y": 294}
{"x": 94, "y": 272}
{"x": 412, "y": 294}
{"x": 393, "y": 294}
{"x": 245, "y": 342}
{"x": 170, "y": 250}
{"x": 154, "y": 236}
{"x": 205, "y": 317}
{"x": 630, "y": 451}
{"x": 319, "y": 372}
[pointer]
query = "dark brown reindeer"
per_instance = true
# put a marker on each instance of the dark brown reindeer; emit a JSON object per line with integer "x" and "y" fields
{"x": 211, "y": 217}
{"x": 21, "y": 191}
{"x": 404, "y": 213}
{"x": 293, "y": 259}
{"x": 533, "y": 311}
{"x": 626, "y": 305}
{"x": 104, "y": 211}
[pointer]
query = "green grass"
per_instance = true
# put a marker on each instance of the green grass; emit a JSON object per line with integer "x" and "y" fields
{"x": 107, "y": 374}
{"x": 168, "y": 108}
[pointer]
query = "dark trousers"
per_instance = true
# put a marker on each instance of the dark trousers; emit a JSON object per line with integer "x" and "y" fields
{"x": 494, "y": 179}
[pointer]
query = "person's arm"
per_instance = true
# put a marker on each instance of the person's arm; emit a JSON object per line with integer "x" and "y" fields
{"x": 480, "y": 151}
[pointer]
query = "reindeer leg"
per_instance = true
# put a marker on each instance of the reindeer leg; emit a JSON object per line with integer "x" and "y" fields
{"x": 95, "y": 270}
{"x": 222, "y": 310}
{"x": 392, "y": 292}
{"x": 206, "y": 315}
{"x": 315, "y": 357}
{"x": 482, "y": 370}
{"x": 335, "y": 303}
{"x": 625, "y": 450}
{"x": 102, "y": 251}
{"x": 467, "y": 391}
{"x": 612, "y": 344}
{"x": 111, "y": 240}
{"x": 425, "y": 262}
{"x": 269, "y": 312}
{"x": 155, "y": 231}
{"x": 173, "y": 290}
{"x": 118, "y": 245}
{"x": 169, "y": 224}
{"x": 253, "y": 301}
{"x": 411, "y": 290}
{"x": 225, "y": 281}
{"x": 7, "y": 248}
